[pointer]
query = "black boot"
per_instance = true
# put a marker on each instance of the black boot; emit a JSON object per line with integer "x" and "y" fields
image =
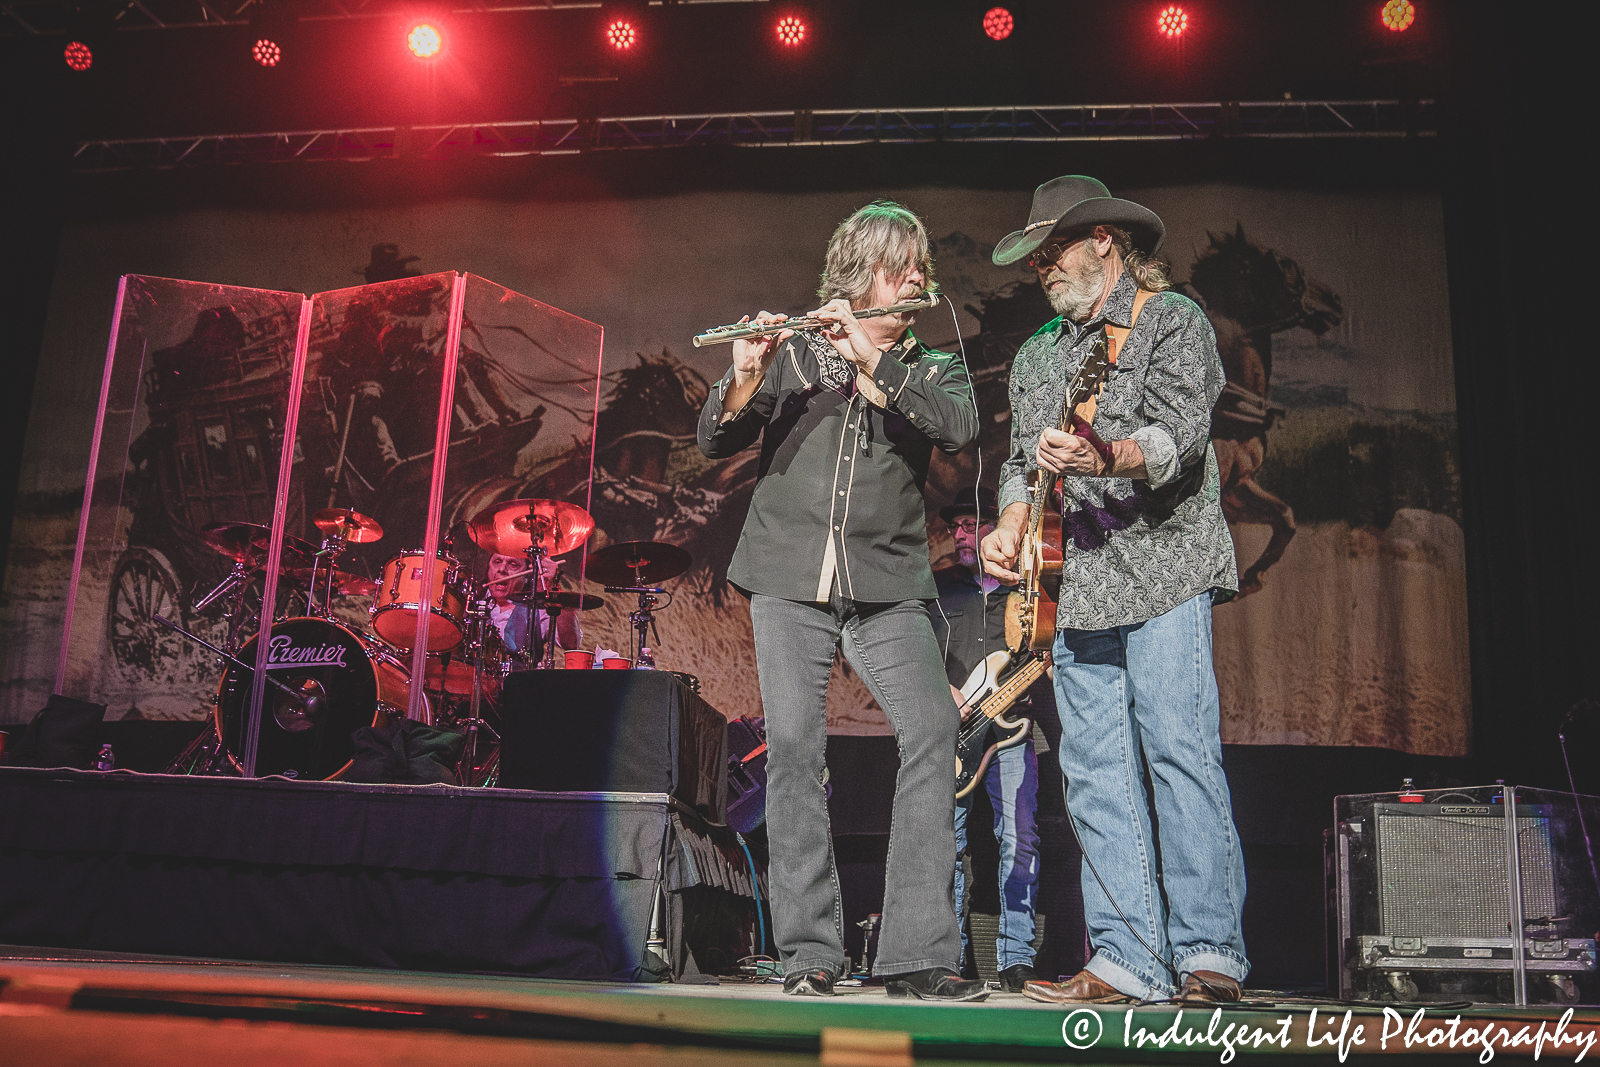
{"x": 817, "y": 982}
{"x": 935, "y": 983}
{"x": 1013, "y": 978}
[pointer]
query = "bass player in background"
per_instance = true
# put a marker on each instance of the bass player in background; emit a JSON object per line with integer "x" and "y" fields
{"x": 1146, "y": 554}
{"x": 969, "y": 621}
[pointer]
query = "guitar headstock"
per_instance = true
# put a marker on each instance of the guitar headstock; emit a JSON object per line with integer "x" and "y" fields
{"x": 1092, "y": 375}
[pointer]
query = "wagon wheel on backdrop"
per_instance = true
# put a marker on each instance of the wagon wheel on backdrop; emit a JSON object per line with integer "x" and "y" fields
{"x": 143, "y": 586}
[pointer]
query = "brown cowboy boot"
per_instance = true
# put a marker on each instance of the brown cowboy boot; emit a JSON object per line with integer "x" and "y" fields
{"x": 1081, "y": 988}
{"x": 1208, "y": 987}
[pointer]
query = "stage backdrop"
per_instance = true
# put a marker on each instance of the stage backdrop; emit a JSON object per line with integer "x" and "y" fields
{"x": 1337, "y": 437}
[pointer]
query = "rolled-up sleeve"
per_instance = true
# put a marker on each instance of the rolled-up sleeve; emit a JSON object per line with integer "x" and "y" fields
{"x": 1183, "y": 382}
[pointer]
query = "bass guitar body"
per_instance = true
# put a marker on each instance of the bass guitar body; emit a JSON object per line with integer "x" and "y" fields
{"x": 992, "y": 689}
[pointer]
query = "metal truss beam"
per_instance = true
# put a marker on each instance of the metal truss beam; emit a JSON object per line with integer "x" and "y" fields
{"x": 782, "y": 129}
{"x": 28, "y": 17}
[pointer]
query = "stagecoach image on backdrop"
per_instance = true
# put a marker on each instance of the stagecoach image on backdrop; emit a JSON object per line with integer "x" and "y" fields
{"x": 229, "y": 418}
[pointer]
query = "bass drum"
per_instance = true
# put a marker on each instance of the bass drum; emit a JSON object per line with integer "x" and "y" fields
{"x": 349, "y": 682}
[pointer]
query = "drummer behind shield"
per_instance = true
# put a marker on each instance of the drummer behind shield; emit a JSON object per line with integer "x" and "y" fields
{"x": 511, "y": 618}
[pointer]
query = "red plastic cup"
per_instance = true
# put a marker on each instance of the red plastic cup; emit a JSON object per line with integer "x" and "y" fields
{"x": 617, "y": 663}
{"x": 579, "y": 660}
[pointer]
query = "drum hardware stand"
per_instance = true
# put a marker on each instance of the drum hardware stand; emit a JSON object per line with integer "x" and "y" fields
{"x": 234, "y": 586}
{"x": 543, "y": 649}
{"x": 333, "y": 546}
{"x": 296, "y": 695}
{"x": 477, "y": 614}
{"x": 643, "y": 620}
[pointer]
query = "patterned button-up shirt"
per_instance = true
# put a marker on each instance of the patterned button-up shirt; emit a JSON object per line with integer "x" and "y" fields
{"x": 1133, "y": 549}
{"x": 839, "y": 490}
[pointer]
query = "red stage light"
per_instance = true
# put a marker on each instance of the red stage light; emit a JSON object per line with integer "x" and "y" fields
{"x": 620, "y": 34}
{"x": 266, "y": 52}
{"x": 791, "y": 31}
{"x": 78, "y": 56}
{"x": 1173, "y": 21}
{"x": 424, "y": 40}
{"x": 998, "y": 23}
{"x": 1398, "y": 14}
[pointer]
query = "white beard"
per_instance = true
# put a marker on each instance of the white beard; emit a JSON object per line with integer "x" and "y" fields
{"x": 1085, "y": 281}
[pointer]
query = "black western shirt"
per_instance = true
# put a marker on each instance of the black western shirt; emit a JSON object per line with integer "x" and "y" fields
{"x": 967, "y": 622}
{"x": 838, "y": 492}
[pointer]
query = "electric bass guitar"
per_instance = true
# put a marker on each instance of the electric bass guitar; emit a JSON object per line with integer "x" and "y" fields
{"x": 990, "y": 691}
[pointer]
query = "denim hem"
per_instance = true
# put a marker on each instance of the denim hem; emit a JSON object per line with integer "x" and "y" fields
{"x": 1005, "y": 963}
{"x": 837, "y": 969}
{"x": 1220, "y": 960}
{"x": 1111, "y": 970}
{"x": 892, "y": 970}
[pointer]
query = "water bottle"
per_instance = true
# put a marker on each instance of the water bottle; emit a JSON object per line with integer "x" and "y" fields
{"x": 105, "y": 761}
{"x": 646, "y": 660}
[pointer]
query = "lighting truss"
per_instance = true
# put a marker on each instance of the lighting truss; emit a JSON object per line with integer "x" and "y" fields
{"x": 1272, "y": 119}
{"x": 21, "y": 17}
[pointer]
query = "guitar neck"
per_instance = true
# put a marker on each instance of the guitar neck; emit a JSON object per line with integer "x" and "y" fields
{"x": 995, "y": 704}
{"x": 1082, "y": 387}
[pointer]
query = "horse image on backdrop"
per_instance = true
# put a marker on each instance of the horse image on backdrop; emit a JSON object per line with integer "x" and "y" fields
{"x": 1250, "y": 293}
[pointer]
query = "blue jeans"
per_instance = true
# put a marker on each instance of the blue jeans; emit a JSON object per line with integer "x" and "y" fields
{"x": 1013, "y": 784}
{"x": 892, "y": 648}
{"x": 1149, "y": 690}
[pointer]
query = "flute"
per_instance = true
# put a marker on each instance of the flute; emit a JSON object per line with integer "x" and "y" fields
{"x": 741, "y": 331}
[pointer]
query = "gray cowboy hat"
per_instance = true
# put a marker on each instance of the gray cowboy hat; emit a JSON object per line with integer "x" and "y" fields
{"x": 1073, "y": 202}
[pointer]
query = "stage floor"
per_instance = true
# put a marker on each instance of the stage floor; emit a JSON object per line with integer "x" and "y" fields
{"x": 76, "y": 1007}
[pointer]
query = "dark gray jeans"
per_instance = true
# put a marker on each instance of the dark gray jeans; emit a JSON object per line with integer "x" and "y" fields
{"x": 892, "y": 647}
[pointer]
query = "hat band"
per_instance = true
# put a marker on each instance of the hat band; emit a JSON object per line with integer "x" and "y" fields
{"x": 1030, "y": 227}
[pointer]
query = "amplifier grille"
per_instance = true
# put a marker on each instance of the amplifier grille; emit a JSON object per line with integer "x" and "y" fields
{"x": 1445, "y": 875}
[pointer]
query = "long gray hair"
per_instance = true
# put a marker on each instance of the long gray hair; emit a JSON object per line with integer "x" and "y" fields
{"x": 1148, "y": 271}
{"x": 882, "y": 234}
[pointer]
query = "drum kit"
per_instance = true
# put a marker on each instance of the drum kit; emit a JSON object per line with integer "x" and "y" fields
{"x": 327, "y": 678}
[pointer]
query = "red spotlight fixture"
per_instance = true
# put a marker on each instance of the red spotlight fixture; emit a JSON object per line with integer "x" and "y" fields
{"x": 424, "y": 40}
{"x": 1173, "y": 21}
{"x": 77, "y": 56}
{"x": 998, "y": 23}
{"x": 266, "y": 52}
{"x": 791, "y": 31}
{"x": 1397, "y": 15}
{"x": 620, "y": 34}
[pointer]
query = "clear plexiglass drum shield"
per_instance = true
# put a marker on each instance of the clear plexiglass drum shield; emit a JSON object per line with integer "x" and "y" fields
{"x": 412, "y": 406}
{"x": 179, "y": 494}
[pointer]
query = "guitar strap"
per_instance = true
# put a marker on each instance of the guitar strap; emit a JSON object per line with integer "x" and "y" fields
{"x": 1115, "y": 337}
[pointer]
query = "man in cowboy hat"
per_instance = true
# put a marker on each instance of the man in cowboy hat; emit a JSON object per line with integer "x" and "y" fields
{"x": 834, "y": 558}
{"x": 1146, "y": 555}
{"x": 969, "y": 622}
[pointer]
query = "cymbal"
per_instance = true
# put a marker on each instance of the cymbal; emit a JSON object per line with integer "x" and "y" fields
{"x": 513, "y": 526}
{"x": 568, "y": 601}
{"x": 296, "y": 553}
{"x": 344, "y": 583}
{"x": 637, "y": 563}
{"x": 351, "y": 525}
{"x": 236, "y": 540}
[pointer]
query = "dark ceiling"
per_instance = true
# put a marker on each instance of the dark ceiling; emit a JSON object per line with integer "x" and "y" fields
{"x": 723, "y": 57}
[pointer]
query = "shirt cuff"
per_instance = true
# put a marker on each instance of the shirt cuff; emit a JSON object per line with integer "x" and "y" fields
{"x": 1160, "y": 454}
{"x": 891, "y": 376}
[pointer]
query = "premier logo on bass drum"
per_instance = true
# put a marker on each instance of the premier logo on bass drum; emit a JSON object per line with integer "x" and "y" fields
{"x": 283, "y": 653}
